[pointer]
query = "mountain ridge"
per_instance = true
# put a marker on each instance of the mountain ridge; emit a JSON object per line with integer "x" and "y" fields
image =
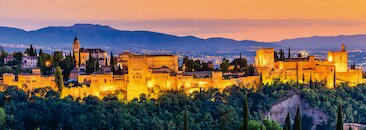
{"x": 95, "y": 35}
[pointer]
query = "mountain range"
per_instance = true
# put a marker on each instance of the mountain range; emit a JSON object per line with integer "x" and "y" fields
{"x": 94, "y": 35}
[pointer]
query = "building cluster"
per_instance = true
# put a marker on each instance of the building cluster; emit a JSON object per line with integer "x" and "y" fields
{"x": 142, "y": 74}
{"x": 151, "y": 74}
{"x": 333, "y": 71}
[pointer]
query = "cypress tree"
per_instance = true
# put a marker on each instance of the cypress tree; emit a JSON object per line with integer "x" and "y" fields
{"x": 350, "y": 128}
{"x": 97, "y": 66}
{"x": 59, "y": 78}
{"x": 119, "y": 70}
{"x": 334, "y": 79}
{"x": 303, "y": 77}
{"x": 287, "y": 122}
{"x": 339, "y": 118}
{"x": 111, "y": 62}
{"x": 262, "y": 127}
{"x": 289, "y": 52}
{"x": 40, "y": 52}
{"x": 310, "y": 81}
{"x": 297, "y": 73}
{"x": 282, "y": 55}
{"x": 106, "y": 62}
{"x": 113, "y": 70}
{"x": 79, "y": 57}
{"x": 186, "y": 119}
{"x": 245, "y": 113}
{"x": 297, "y": 121}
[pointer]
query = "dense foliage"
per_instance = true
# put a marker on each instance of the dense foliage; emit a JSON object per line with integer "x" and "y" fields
{"x": 209, "y": 109}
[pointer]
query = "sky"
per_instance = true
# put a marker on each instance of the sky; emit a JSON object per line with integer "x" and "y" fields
{"x": 260, "y": 20}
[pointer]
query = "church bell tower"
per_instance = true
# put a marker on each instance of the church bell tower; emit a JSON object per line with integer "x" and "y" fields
{"x": 75, "y": 49}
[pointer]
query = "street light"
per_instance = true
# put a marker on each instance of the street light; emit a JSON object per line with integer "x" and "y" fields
{"x": 48, "y": 63}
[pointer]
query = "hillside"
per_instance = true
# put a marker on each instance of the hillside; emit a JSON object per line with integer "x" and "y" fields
{"x": 326, "y": 42}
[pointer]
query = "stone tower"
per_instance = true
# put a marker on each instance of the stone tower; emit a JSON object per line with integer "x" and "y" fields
{"x": 264, "y": 57}
{"x": 75, "y": 50}
{"x": 339, "y": 59}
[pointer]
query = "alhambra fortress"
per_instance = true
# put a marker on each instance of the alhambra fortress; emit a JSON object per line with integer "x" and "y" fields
{"x": 146, "y": 74}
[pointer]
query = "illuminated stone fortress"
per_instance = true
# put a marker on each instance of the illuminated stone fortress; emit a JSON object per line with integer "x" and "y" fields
{"x": 83, "y": 54}
{"x": 149, "y": 75}
{"x": 333, "y": 71}
{"x": 153, "y": 74}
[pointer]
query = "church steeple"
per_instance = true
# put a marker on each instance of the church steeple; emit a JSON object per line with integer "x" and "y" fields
{"x": 76, "y": 39}
{"x": 75, "y": 49}
{"x": 343, "y": 48}
{"x": 76, "y": 44}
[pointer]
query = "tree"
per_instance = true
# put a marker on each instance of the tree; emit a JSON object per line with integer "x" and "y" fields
{"x": 224, "y": 66}
{"x": 276, "y": 58}
{"x": 111, "y": 62}
{"x": 299, "y": 55}
{"x": 245, "y": 113}
{"x": 186, "y": 119}
{"x": 353, "y": 66}
{"x": 18, "y": 56}
{"x": 90, "y": 65}
{"x": 287, "y": 122}
{"x": 310, "y": 81}
{"x": 297, "y": 121}
{"x": 40, "y": 52}
{"x": 57, "y": 58}
{"x": 339, "y": 118}
{"x": 30, "y": 51}
{"x": 59, "y": 78}
{"x": 79, "y": 60}
{"x": 262, "y": 127}
{"x": 282, "y": 55}
{"x": 334, "y": 79}
{"x": 2, "y": 117}
{"x": 289, "y": 52}
{"x": 119, "y": 70}
{"x": 97, "y": 66}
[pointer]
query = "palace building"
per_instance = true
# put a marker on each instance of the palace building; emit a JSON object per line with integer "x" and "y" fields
{"x": 83, "y": 54}
{"x": 142, "y": 74}
{"x": 152, "y": 74}
{"x": 334, "y": 70}
{"x": 29, "y": 81}
{"x": 147, "y": 74}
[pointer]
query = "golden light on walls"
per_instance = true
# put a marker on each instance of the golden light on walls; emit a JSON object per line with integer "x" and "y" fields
{"x": 330, "y": 58}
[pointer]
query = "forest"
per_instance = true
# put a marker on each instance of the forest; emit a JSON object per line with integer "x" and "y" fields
{"x": 208, "y": 109}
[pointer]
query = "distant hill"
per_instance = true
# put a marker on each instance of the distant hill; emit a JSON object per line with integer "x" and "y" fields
{"x": 91, "y": 35}
{"x": 94, "y": 35}
{"x": 326, "y": 42}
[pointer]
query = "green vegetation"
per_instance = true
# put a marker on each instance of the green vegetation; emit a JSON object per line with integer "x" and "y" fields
{"x": 59, "y": 78}
{"x": 339, "y": 118}
{"x": 245, "y": 114}
{"x": 297, "y": 121}
{"x": 287, "y": 125}
{"x": 210, "y": 109}
{"x": 2, "y": 117}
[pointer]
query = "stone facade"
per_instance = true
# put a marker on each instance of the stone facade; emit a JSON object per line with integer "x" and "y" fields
{"x": 30, "y": 81}
{"x": 332, "y": 71}
{"x": 82, "y": 54}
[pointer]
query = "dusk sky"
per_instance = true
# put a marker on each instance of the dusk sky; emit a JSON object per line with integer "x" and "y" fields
{"x": 261, "y": 20}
